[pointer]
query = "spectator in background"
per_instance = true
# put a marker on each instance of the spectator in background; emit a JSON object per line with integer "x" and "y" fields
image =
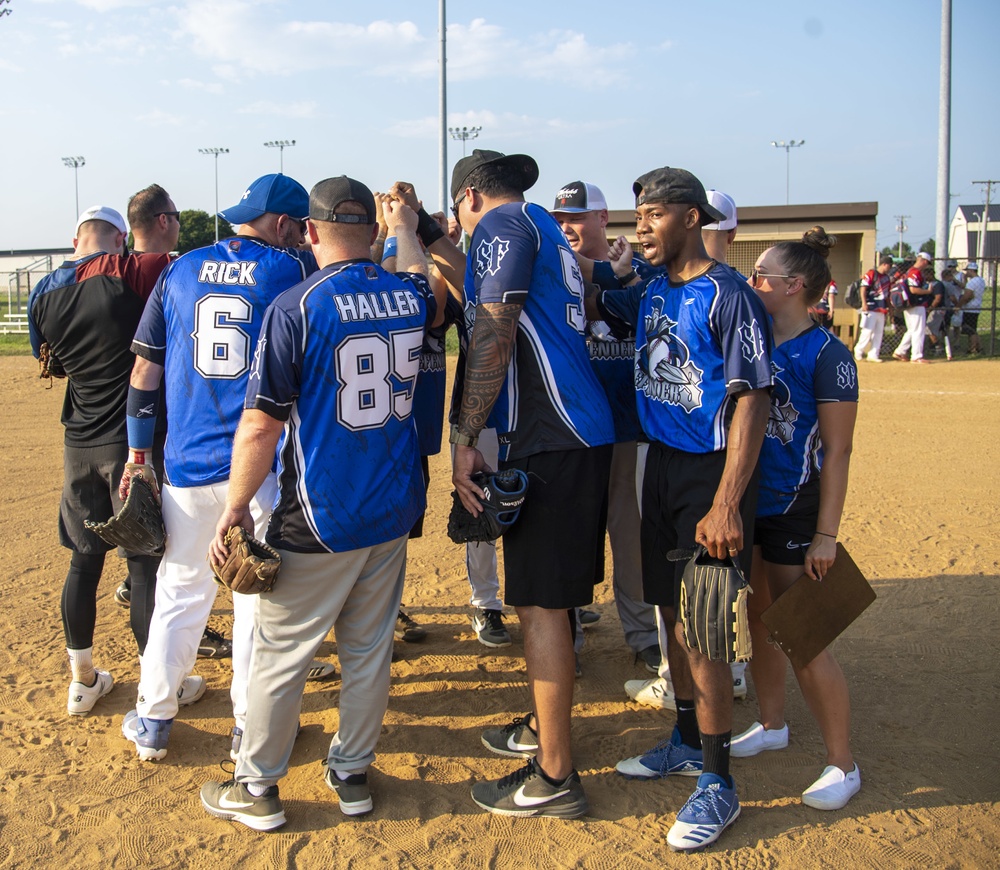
{"x": 936, "y": 313}
{"x": 971, "y": 304}
{"x": 822, "y": 311}
{"x": 875, "y": 286}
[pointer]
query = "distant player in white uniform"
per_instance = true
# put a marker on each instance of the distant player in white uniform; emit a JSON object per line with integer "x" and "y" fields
{"x": 200, "y": 328}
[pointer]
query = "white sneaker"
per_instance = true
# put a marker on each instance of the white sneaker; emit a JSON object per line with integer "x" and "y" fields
{"x": 82, "y": 697}
{"x": 756, "y": 739}
{"x": 191, "y": 690}
{"x": 833, "y": 789}
{"x": 653, "y": 693}
{"x": 739, "y": 687}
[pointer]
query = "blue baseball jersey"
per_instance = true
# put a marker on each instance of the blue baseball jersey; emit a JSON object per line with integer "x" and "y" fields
{"x": 201, "y": 324}
{"x": 551, "y": 399}
{"x": 810, "y": 369}
{"x": 337, "y": 359}
{"x": 697, "y": 345}
{"x": 428, "y": 394}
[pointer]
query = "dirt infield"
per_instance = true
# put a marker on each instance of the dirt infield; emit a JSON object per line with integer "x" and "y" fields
{"x": 922, "y": 518}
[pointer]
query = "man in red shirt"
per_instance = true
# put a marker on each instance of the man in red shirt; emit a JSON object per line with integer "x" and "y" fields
{"x": 875, "y": 286}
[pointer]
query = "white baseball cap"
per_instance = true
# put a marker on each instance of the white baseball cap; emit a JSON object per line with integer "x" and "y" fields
{"x": 973, "y": 265}
{"x": 724, "y": 203}
{"x": 578, "y": 197}
{"x": 102, "y": 213}
{"x": 923, "y": 255}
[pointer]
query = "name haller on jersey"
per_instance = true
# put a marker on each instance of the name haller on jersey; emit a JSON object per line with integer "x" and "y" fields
{"x": 376, "y": 306}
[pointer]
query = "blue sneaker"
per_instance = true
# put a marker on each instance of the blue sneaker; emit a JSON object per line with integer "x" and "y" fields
{"x": 708, "y": 812}
{"x": 149, "y": 735}
{"x": 666, "y": 758}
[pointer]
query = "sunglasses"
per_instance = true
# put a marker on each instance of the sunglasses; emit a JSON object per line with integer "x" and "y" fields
{"x": 756, "y": 275}
{"x": 458, "y": 202}
{"x": 175, "y": 214}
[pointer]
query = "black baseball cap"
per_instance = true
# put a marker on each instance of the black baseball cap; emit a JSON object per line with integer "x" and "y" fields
{"x": 328, "y": 195}
{"x": 668, "y": 184}
{"x": 524, "y": 167}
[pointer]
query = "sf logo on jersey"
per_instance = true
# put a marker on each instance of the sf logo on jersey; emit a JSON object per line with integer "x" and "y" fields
{"x": 782, "y": 416}
{"x": 665, "y": 371}
{"x": 489, "y": 254}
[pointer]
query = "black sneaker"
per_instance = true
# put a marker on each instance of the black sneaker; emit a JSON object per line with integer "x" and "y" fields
{"x": 214, "y": 646}
{"x": 589, "y": 617}
{"x": 408, "y": 630}
{"x": 489, "y": 628}
{"x": 527, "y": 793}
{"x": 650, "y": 658}
{"x": 232, "y": 800}
{"x": 353, "y": 792}
{"x": 517, "y": 739}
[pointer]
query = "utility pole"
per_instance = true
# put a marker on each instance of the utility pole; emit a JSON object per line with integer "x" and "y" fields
{"x": 215, "y": 152}
{"x": 944, "y": 141}
{"x": 281, "y": 144}
{"x": 443, "y": 107}
{"x": 75, "y": 163}
{"x": 985, "y": 222}
{"x": 901, "y": 228}
{"x": 788, "y": 146}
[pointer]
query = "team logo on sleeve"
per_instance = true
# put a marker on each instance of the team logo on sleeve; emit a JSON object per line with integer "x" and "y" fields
{"x": 665, "y": 371}
{"x": 751, "y": 341}
{"x": 846, "y": 376}
{"x": 489, "y": 255}
{"x": 258, "y": 355}
{"x": 782, "y": 416}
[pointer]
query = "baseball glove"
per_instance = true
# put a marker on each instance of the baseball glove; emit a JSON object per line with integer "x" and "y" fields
{"x": 251, "y": 565}
{"x": 504, "y": 491}
{"x": 48, "y": 366}
{"x": 138, "y": 526}
{"x": 714, "y": 607}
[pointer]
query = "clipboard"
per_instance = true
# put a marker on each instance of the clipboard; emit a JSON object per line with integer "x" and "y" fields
{"x": 810, "y": 615}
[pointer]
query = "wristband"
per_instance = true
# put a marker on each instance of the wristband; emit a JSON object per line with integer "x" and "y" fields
{"x": 140, "y": 417}
{"x": 629, "y": 278}
{"x": 389, "y": 248}
{"x": 428, "y": 229}
{"x": 825, "y": 535}
{"x": 457, "y": 437}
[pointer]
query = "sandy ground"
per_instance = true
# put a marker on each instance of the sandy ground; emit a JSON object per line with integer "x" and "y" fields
{"x": 921, "y": 521}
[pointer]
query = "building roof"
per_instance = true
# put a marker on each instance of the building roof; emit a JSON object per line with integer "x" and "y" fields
{"x": 973, "y": 214}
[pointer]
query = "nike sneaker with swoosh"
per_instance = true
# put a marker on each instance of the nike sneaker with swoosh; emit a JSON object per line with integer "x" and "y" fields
{"x": 526, "y": 792}
{"x": 516, "y": 739}
{"x": 232, "y": 801}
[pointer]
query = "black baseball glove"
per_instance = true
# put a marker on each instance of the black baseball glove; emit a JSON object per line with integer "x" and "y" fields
{"x": 138, "y": 527}
{"x": 714, "y": 607}
{"x": 505, "y": 491}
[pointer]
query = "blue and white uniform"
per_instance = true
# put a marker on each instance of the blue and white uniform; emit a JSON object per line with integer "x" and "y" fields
{"x": 551, "y": 399}
{"x": 809, "y": 370}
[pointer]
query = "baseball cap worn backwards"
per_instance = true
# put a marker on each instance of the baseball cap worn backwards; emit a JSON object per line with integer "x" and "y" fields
{"x": 331, "y": 193}
{"x": 923, "y": 255}
{"x": 523, "y": 165}
{"x": 578, "y": 197}
{"x": 724, "y": 203}
{"x": 102, "y": 213}
{"x": 670, "y": 185}
{"x": 269, "y": 194}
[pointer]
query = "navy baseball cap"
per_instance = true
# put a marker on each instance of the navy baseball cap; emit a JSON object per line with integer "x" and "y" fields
{"x": 578, "y": 197}
{"x": 523, "y": 166}
{"x": 328, "y": 195}
{"x": 269, "y": 194}
{"x": 671, "y": 185}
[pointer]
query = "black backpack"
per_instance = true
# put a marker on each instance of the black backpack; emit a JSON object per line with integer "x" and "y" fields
{"x": 853, "y": 294}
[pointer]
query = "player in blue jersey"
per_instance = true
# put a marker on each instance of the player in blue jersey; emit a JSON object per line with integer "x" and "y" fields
{"x": 804, "y": 469}
{"x": 528, "y": 375}
{"x": 334, "y": 372}
{"x": 85, "y": 314}
{"x": 582, "y": 213}
{"x": 702, "y": 379}
{"x": 197, "y": 336}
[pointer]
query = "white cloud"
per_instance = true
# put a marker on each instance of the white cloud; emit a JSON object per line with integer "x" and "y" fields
{"x": 159, "y": 118}
{"x": 204, "y": 87}
{"x": 301, "y": 109}
{"x": 503, "y": 126}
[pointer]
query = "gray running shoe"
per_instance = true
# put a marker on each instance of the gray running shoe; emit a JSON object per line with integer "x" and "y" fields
{"x": 232, "y": 800}
{"x": 489, "y": 628}
{"x": 527, "y": 793}
{"x": 516, "y": 739}
{"x": 353, "y": 792}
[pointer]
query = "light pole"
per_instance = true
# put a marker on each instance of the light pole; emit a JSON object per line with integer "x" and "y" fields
{"x": 75, "y": 163}
{"x": 281, "y": 144}
{"x": 215, "y": 152}
{"x": 788, "y": 146}
{"x": 464, "y": 134}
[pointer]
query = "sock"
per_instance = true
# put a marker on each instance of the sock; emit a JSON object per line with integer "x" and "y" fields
{"x": 344, "y": 775}
{"x": 687, "y": 723}
{"x": 716, "y": 753}
{"x": 81, "y": 662}
{"x": 549, "y": 779}
{"x": 257, "y": 789}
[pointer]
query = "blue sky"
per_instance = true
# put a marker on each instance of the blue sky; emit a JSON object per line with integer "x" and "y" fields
{"x": 599, "y": 92}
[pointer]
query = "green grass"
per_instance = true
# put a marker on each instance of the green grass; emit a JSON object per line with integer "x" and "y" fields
{"x": 14, "y": 344}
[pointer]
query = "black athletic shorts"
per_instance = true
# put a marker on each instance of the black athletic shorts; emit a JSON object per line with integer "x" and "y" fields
{"x": 551, "y": 551}
{"x": 784, "y": 538}
{"x": 418, "y": 527}
{"x": 970, "y": 322}
{"x": 677, "y": 492}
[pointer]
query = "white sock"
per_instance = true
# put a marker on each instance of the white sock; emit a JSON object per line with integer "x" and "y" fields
{"x": 257, "y": 788}
{"x": 81, "y": 662}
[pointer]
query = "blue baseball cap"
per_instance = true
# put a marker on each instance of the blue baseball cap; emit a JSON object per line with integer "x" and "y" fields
{"x": 274, "y": 194}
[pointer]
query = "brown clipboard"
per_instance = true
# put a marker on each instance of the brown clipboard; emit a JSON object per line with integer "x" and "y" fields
{"x": 811, "y": 614}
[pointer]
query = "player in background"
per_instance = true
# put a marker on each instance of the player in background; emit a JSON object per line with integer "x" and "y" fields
{"x": 582, "y": 213}
{"x": 915, "y": 314}
{"x": 875, "y": 287}
{"x": 333, "y": 372}
{"x": 197, "y": 336}
{"x": 804, "y": 469}
{"x": 86, "y": 311}
{"x": 702, "y": 378}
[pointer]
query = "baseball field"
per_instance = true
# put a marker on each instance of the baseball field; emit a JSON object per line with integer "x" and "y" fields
{"x": 922, "y": 521}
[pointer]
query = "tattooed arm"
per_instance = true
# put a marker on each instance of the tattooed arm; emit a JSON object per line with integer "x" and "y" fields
{"x": 490, "y": 350}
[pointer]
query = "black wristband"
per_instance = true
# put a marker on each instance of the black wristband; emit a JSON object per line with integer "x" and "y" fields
{"x": 428, "y": 229}
{"x": 629, "y": 278}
